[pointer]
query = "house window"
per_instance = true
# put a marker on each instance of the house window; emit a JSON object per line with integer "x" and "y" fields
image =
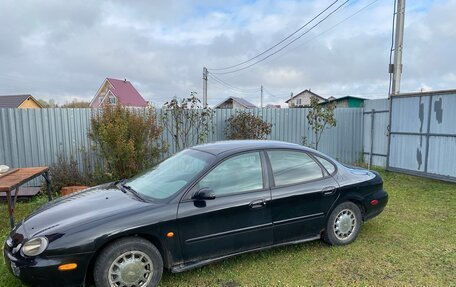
{"x": 298, "y": 102}
{"x": 111, "y": 100}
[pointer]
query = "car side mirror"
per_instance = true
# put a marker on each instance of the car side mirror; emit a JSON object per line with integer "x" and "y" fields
{"x": 204, "y": 194}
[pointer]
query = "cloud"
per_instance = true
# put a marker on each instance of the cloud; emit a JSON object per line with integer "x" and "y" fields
{"x": 64, "y": 50}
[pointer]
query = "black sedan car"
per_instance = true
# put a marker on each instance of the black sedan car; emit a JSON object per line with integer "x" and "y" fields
{"x": 203, "y": 204}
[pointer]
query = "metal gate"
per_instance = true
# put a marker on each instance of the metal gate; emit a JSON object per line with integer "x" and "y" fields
{"x": 423, "y": 134}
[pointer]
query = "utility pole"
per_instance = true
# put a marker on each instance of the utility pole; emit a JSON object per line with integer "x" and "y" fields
{"x": 396, "y": 69}
{"x": 261, "y": 96}
{"x": 204, "y": 87}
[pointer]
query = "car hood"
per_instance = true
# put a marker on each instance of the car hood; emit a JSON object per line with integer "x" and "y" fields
{"x": 97, "y": 204}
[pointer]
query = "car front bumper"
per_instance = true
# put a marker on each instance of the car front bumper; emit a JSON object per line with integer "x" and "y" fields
{"x": 40, "y": 271}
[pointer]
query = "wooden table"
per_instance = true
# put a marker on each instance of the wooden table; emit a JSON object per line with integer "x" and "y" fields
{"x": 15, "y": 179}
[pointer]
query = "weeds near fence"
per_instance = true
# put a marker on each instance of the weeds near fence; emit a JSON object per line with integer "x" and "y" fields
{"x": 67, "y": 173}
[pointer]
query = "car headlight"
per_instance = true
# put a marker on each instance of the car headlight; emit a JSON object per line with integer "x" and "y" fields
{"x": 35, "y": 246}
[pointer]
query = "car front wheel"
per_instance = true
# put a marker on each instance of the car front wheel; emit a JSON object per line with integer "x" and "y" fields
{"x": 129, "y": 262}
{"x": 344, "y": 224}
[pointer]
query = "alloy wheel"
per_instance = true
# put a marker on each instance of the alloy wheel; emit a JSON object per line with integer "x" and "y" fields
{"x": 344, "y": 224}
{"x": 131, "y": 269}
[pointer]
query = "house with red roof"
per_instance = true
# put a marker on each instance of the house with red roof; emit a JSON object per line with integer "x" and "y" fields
{"x": 114, "y": 91}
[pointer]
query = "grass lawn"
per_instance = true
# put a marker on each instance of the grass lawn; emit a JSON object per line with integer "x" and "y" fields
{"x": 412, "y": 243}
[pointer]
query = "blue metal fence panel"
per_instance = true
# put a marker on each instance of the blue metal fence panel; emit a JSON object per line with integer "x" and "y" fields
{"x": 410, "y": 114}
{"x": 407, "y": 152}
{"x": 442, "y": 156}
{"x": 423, "y": 134}
{"x": 36, "y": 137}
{"x": 378, "y": 131}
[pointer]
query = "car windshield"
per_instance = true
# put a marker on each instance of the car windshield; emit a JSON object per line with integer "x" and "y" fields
{"x": 170, "y": 176}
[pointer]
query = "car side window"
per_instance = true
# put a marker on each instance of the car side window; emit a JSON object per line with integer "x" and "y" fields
{"x": 237, "y": 174}
{"x": 330, "y": 168}
{"x": 291, "y": 167}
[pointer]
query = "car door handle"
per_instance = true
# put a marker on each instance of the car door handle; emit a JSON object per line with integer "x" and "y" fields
{"x": 257, "y": 203}
{"x": 329, "y": 190}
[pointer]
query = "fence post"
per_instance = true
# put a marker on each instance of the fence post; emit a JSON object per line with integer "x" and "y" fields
{"x": 371, "y": 138}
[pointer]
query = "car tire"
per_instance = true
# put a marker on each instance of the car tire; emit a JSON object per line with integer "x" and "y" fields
{"x": 343, "y": 225}
{"x": 129, "y": 261}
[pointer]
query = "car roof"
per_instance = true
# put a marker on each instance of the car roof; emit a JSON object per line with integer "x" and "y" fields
{"x": 244, "y": 145}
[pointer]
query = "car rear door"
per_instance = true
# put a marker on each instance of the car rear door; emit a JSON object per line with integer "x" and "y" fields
{"x": 302, "y": 194}
{"x": 238, "y": 219}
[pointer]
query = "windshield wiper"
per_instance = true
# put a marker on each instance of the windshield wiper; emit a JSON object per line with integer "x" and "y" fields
{"x": 125, "y": 187}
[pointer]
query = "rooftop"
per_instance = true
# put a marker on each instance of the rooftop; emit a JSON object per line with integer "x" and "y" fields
{"x": 352, "y": 97}
{"x": 241, "y": 101}
{"x": 126, "y": 93}
{"x": 13, "y": 101}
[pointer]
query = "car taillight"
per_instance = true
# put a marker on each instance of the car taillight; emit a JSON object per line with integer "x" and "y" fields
{"x": 374, "y": 202}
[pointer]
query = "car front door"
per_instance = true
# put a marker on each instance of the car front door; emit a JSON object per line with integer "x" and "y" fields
{"x": 237, "y": 219}
{"x": 302, "y": 194}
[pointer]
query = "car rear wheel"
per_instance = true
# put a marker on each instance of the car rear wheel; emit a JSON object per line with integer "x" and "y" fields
{"x": 129, "y": 262}
{"x": 344, "y": 224}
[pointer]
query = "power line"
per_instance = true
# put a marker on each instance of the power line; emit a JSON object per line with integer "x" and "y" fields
{"x": 230, "y": 85}
{"x": 288, "y": 44}
{"x": 225, "y": 84}
{"x": 232, "y": 88}
{"x": 280, "y": 42}
{"x": 277, "y": 96}
{"x": 329, "y": 29}
{"x": 320, "y": 34}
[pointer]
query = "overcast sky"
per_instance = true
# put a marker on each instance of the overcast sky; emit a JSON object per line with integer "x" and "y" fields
{"x": 65, "y": 49}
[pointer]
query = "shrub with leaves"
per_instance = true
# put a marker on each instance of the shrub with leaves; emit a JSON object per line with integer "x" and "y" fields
{"x": 244, "y": 125}
{"x": 186, "y": 121}
{"x": 127, "y": 140}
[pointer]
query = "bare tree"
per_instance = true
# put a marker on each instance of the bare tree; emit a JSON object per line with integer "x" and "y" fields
{"x": 48, "y": 104}
{"x": 186, "y": 121}
{"x": 76, "y": 104}
{"x": 320, "y": 117}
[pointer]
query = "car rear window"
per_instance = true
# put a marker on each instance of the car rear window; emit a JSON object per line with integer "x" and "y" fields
{"x": 292, "y": 167}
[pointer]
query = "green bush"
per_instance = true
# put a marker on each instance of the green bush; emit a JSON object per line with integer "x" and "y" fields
{"x": 245, "y": 125}
{"x": 126, "y": 140}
